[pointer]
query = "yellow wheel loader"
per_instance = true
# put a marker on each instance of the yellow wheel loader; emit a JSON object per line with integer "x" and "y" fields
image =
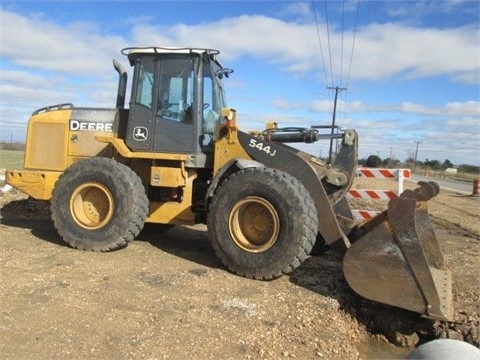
{"x": 177, "y": 156}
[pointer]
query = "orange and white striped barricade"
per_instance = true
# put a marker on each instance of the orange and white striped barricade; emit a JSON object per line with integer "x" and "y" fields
{"x": 399, "y": 174}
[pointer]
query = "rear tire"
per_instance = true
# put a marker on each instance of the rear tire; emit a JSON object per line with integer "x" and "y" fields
{"x": 262, "y": 223}
{"x": 99, "y": 204}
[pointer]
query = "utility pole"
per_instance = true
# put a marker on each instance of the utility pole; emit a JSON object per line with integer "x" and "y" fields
{"x": 416, "y": 153}
{"x": 337, "y": 90}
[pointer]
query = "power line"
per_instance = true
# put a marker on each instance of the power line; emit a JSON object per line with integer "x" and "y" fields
{"x": 329, "y": 75}
{"x": 353, "y": 43}
{"x": 343, "y": 32}
{"x": 329, "y": 46}
{"x": 320, "y": 41}
{"x": 336, "y": 88}
{"x": 351, "y": 52}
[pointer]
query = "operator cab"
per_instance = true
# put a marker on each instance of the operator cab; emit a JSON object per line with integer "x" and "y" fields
{"x": 176, "y": 99}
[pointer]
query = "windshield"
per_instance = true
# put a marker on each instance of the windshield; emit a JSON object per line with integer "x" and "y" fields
{"x": 213, "y": 94}
{"x": 213, "y": 87}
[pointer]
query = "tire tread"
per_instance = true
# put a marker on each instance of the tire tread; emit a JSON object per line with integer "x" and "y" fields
{"x": 300, "y": 199}
{"x": 127, "y": 226}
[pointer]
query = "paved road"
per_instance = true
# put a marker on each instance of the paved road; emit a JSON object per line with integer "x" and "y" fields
{"x": 447, "y": 184}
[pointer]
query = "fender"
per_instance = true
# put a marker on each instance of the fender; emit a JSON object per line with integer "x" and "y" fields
{"x": 229, "y": 168}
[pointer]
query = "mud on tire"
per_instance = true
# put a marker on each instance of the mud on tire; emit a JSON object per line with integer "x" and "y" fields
{"x": 262, "y": 223}
{"x": 99, "y": 204}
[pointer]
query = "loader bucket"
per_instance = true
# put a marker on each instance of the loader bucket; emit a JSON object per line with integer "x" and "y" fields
{"x": 398, "y": 261}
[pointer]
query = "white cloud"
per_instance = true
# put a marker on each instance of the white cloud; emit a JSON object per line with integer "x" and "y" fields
{"x": 28, "y": 91}
{"x": 322, "y": 106}
{"x": 285, "y": 104}
{"x": 457, "y": 108}
{"x": 381, "y": 50}
{"x": 415, "y": 9}
{"x": 298, "y": 9}
{"x": 450, "y": 131}
{"x": 464, "y": 123}
{"x": 469, "y": 108}
{"x": 76, "y": 49}
{"x": 384, "y": 50}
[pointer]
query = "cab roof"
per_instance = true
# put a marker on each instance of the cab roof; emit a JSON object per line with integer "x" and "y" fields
{"x": 131, "y": 52}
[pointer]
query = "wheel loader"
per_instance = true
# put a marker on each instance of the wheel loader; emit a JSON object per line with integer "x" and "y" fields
{"x": 176, "y": 156}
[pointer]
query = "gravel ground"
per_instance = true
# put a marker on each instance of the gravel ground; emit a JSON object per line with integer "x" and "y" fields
{"x": 166, "y": 296}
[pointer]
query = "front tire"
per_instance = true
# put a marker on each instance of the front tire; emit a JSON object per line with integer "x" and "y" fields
{"x": 99, "y": 204}
{"x": 262, "y": 223}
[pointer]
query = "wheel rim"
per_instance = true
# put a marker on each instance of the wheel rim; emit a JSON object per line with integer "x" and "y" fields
{"x": 91, "y": 205}
{"x": 254, "y": 224}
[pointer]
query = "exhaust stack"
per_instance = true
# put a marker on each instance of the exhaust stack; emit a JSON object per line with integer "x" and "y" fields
{"x": 122, "y": 83}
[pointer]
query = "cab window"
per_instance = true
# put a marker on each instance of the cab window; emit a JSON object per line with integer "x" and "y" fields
{"x": 175, "y": 98}
{"x": 144, "y": 93}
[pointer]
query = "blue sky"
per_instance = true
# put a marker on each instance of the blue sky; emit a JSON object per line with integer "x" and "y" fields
{"x": 414, "y": 75}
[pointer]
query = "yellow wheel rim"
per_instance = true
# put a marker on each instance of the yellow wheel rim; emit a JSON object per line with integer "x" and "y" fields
{"x": 91, "y": 205}
{"x": 254, "y": 224}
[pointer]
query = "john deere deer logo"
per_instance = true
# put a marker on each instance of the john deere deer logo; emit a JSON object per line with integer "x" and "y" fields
{"x": 140, "y": 133}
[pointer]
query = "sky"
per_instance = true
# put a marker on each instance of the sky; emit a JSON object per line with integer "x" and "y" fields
{"x": 410, "y": 69}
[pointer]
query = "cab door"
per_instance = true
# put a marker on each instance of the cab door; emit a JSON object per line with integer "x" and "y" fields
{"x": 162, "y": 106}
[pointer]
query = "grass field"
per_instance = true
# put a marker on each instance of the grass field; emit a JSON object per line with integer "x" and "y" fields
{"x": 11, "y": 159}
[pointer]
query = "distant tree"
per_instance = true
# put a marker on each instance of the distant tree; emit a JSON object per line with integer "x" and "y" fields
{"x": 410, "y": 160}
{"x": 447, "y": 164}
{"x": 433, "y": 164}
{"x": 410, "y": 157}
{"x": 471, "y": 169}
{"x": 6, "y": 145}
{"x": 373, "y": 161}
{"x": 390, "y": 162}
